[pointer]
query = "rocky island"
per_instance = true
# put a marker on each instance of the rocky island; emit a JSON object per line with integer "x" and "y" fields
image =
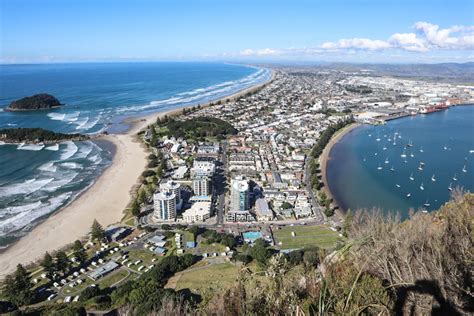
{"x": 36, "y": 135}
{"x": 42, "y": 101}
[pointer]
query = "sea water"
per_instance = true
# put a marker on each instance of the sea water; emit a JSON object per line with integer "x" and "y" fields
{"x": 37, "y": 180}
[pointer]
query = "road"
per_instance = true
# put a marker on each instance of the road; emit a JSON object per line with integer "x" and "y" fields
{"x": 317, "y": 210}
{"x": 220, "y": 184}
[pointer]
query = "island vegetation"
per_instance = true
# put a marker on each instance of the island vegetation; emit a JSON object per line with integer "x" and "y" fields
{"x": 42, "y": 101}
{"x": 36, "y": 135}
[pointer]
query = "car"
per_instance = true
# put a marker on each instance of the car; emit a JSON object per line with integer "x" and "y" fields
{"x": 52, "y": 296}
{"x": 67, "y": 299}
{"x": 76, "y": 299}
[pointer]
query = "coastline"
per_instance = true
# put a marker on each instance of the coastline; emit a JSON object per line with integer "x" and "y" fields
{"x": 106, "y": 199}
{"x": 326, "y": 156}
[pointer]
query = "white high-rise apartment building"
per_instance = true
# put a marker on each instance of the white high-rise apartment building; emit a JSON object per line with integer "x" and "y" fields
{"x": 164, "y": 206}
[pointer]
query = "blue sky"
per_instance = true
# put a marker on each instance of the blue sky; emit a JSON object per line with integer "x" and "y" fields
{"x": 257, "y": 30}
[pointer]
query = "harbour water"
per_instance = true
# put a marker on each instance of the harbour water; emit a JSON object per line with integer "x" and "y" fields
{"x": 411, "y": 162}
{"x": 37, "y": 180}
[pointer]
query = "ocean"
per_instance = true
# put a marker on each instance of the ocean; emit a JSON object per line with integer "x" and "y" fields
{"x": 372, "y": 166}
{"x": 37, "y": 180}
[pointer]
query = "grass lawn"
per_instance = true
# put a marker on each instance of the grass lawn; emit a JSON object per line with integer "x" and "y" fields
{"x": 212, "y": 277}
{"x": 113, "y": 278}
{"x": 145, "y": 255}
{"x": 208, "y": 248}
{"x": 320, "y": 236}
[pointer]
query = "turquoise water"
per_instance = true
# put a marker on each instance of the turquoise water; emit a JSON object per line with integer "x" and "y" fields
{"x": 252, "y": 236}
{"x": 441, "y": 144}
{"x": 36, "y": 181}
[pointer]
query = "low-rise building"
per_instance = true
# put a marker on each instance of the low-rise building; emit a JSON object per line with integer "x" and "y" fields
{"x": 199, "y": 212}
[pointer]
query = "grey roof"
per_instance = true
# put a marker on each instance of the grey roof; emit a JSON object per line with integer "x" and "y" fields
{"x": 103, "y": 270}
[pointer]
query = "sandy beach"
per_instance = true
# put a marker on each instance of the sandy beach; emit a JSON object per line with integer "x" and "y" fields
{"x": 105, "y": 200}
{"x": 325, "y": 156}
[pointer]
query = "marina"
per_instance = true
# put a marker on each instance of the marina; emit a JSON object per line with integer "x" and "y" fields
{"x": 431, "y": 158}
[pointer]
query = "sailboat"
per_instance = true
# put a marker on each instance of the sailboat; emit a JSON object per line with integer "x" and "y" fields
{"x": 384, "y": 148}
{"x": 433, "y": 178}
{"x": 450, "y": 188}
{"x": 408, "y": 195}
{"x": 445, "y": 147}
{"x": 410, "y": 144}
{"x": 455, "y": 177}
{"x": 421, "y": 149}
{"x": 412, "y": 155}
{"x": 464, "y": 169}
{"x": 422, "y": 187}
{"x": 377, "y": 139}
{"x": 420, "y": 167}
{"x": 411, "y": 177}
{"x": 403, "y": 155}
{"x": 386, "y": 160}
{"x": 397, "y": 185}
{"x": 379, "y": 167}
{"x": 392, "y": 169}
{"x": 370, "y": 135}
{"x": 427, "y": 204}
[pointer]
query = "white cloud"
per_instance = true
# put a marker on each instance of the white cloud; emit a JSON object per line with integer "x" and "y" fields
{"x": 356, "y": 43}
{"x": 428, "y": 36}
{"x": 408, "y": 41}
{"x": 455, "y": 37}
{"x": 259, "y": 52}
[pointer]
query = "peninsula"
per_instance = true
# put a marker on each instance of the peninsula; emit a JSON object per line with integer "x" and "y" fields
{"x": 42, "y": 101}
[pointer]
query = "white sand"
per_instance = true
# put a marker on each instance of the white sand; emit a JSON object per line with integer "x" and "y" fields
{"x": 105, "y": 200}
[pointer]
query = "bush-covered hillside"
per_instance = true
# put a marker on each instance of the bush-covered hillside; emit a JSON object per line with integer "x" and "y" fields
{"x": 200, "y": 127}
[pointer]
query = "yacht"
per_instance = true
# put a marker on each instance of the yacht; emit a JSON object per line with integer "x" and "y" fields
{"x": 384, "y": 148}
{"x": 445, "y": 147}
{"x": 397, "y": 185}
{"x": 377, "y": 139}
{"x": 408, "y": 195}
{"x": 411, "y": 177}
{"x": 386, "y": 160}
{"x": 412, "y": 155}
{"x": 392, "y": 169}
{"x": 379, "y": 167}
{"x": 403, "y": 155}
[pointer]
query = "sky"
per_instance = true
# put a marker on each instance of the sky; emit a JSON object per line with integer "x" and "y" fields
{"x": 42, "y": 31}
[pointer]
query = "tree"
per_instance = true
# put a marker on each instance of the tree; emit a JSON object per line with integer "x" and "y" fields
{"x": 62, "y": 262}
{"x": 17, "y": 287}
{"x": 97, "y": 232}
{"x": 195, "y": 230}
{"x": 135, "y": 208}
{"x": 48, "y": 264}
{"x": 286, "y": 205}
{"x": 260, "y": 252}
{"x": 79, "y": 251}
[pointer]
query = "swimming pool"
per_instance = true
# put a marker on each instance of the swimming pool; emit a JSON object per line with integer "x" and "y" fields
{"x": 251, "y": 236}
